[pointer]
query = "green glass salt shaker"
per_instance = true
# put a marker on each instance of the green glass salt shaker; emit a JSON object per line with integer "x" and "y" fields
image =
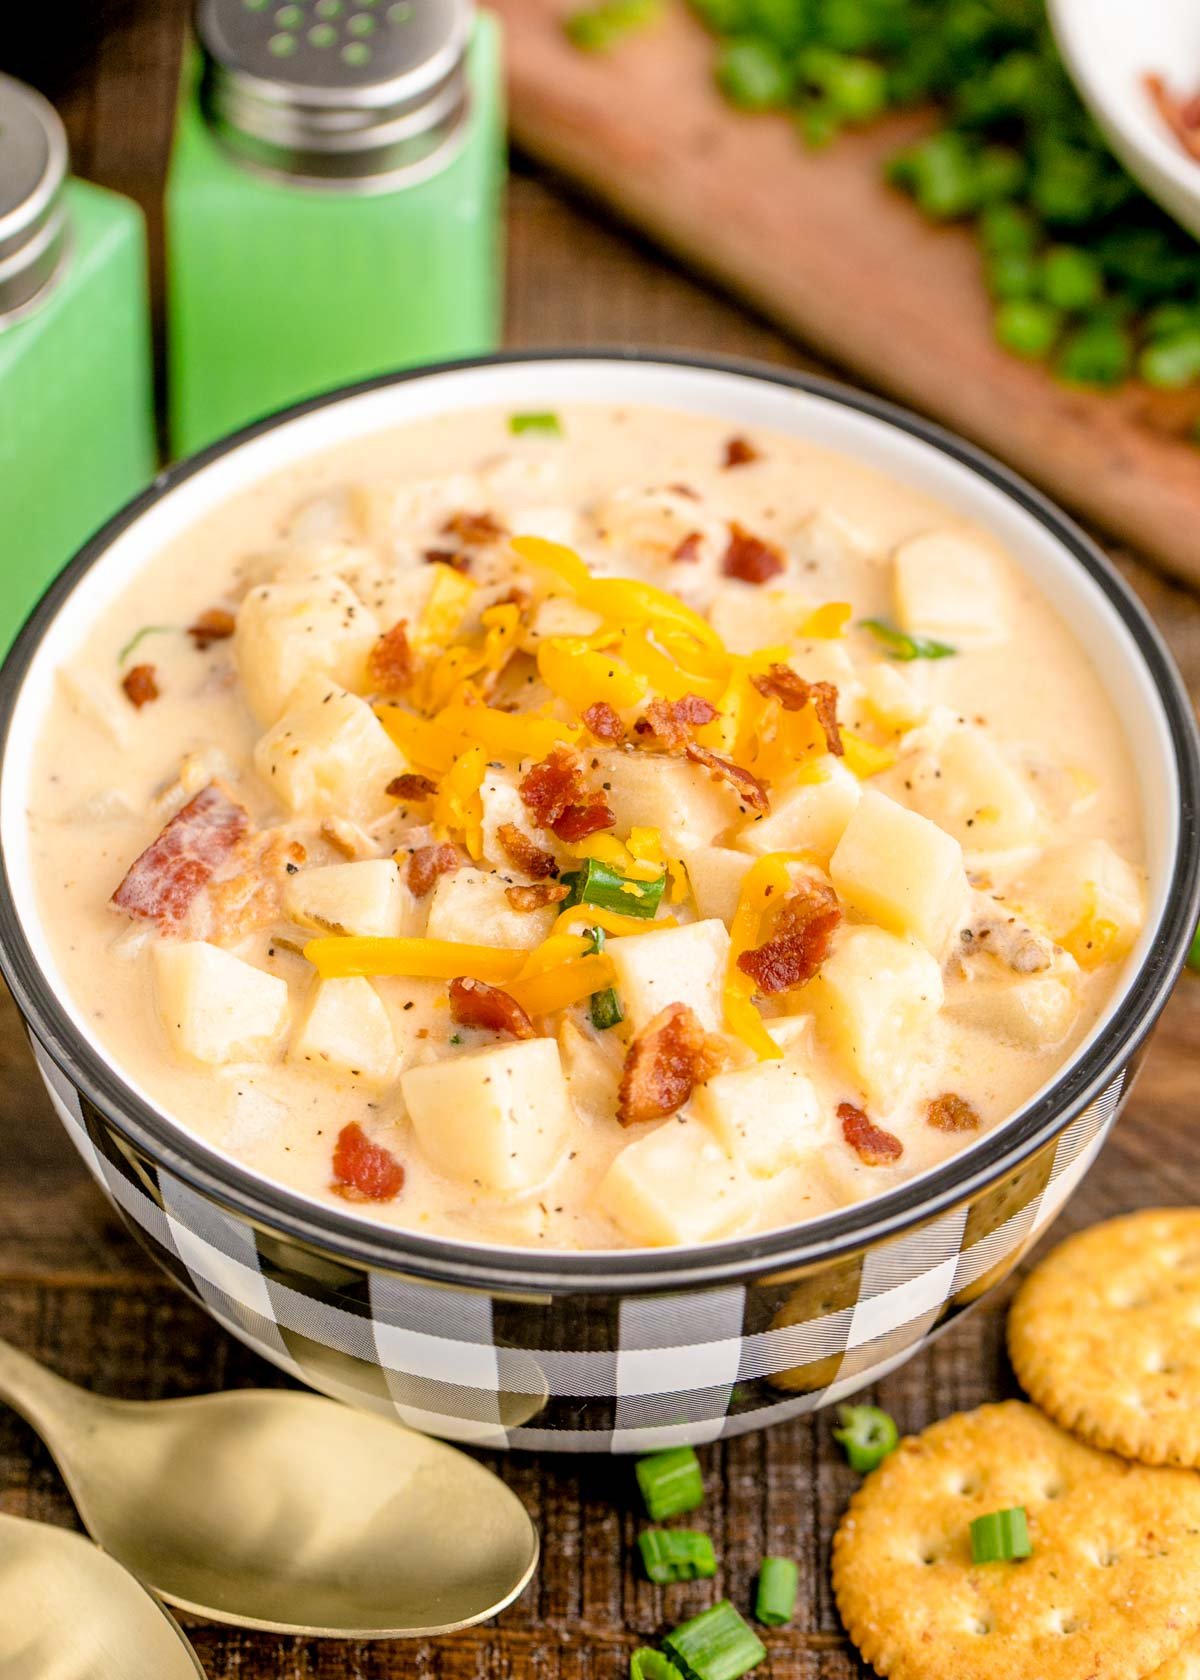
{"x": 333, "y": 201}
{"x": 76, "y": 398}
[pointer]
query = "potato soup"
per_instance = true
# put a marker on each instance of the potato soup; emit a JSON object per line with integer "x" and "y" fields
{"x": 586, "y": 830}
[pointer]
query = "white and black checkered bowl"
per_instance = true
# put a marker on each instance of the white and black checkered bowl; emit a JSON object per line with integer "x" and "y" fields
{"x": 623, "y": 1351}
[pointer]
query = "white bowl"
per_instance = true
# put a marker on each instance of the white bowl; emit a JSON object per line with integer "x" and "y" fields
{"x": 1109, "y": 47}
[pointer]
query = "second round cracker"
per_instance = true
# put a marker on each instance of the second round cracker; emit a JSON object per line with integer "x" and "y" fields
{"x": 1112, "y": 1589}
{"x": 1105, "y": 1335}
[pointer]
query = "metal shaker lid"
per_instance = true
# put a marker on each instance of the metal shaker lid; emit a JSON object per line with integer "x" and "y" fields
{"x": 33, "y": 218}
{"x": 361, "y": 94}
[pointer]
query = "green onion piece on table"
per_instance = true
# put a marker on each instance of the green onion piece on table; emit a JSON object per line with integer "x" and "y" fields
{"x": 778, "y": 1583}
{"x": 547, "y": 422}
{"x": 1001, "y": 1536}
{"x": 902, "y": 645}
{"x": 867, "y": 1435}
{"x": 596, "y": 28}
{"x": 608, "y": 889}
{"x": 676, "y": 1554}
{"x": 716, "y": 1645}
{"x": 646, "y": 1664}
{"x": 605, "y": 1007}
{"x": 671, "y": 1482}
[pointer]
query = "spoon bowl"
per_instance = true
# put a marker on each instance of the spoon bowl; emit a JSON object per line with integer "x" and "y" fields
{"x": 283, "y": 1511}
{"x": 67, "y": 1609}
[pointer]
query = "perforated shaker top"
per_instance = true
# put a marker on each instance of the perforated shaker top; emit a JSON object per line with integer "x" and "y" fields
{"x": 351, "y": 93}
{"x": 33, "y": 168}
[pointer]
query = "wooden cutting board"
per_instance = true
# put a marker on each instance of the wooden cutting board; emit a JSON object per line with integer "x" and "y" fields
{"x": 818, "y": 243}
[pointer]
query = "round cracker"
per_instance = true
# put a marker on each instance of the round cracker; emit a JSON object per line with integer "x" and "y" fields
{"x": 1112, "y": 1588}
{"x": 1105, "y": 1335}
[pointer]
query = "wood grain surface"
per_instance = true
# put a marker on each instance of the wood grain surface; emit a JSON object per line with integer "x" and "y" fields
{"x": 818, "y": 242}
{"x": 78, "y": 1293}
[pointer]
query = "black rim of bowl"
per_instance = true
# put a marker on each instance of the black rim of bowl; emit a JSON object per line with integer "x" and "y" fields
{"x": 846, "y": 1231}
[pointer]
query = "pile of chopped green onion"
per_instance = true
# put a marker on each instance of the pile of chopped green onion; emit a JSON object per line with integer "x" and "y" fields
{"x": 1085, "y": 271}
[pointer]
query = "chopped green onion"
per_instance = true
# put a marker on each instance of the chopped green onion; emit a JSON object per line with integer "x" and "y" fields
{"x": 605, "y": 1007}
{"x": 671, "y": 1482}
{"x": 901, "y": 645}
{"x": 778, "y": 1581}
{"x": 867, "y": 1434}
{"x": 1099, "y": 352}
{"x": 1071, "y": 278}
{"x": 1028, "y": 328}
{"x": 852, "y": 90}
{"x": 1007, "y": 230}
{"x": 1012, "y": 274}
{"x": 676, "y": 1554}
{"x": 716, "y": 1645}
{"x": 753, "y": 75}
{"x": 1193, "y": 956}
{"x": 1000, "y": 1536}
{"x": 597, "y": 884}
{"x": 139, "y": 637}
{"x": 596, "y": 28}
{"x": 646, "y": 1664}
{"x": 547, "y": 422}
{"x": 1172, "y": 360}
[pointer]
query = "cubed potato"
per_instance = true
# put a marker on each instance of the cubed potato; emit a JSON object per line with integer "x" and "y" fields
{"x": 499, "y": 1116}
{"x": 287, "y": 631}
{"x": 1031, "y": 1011}
{"x": 766, "y": 1116}
{"x": 874, "y": 1001}
{"x": 98, "y": 702}
{"x": 470, "y": 906}
{"x": 367, "y": 899}
{"x": 747, "y": 617}
{"x": 826, "y": 659}
{"x": 972, "y": 791}
{"x": 679, "y": 965}
{"x": 678, "y": 798}
{"x": 901, "y": 870}
{"x": 946, "y": 585}
{"x": 347, "y": 1031}
{"x": 591, "y": 1063}
{"x": 892, "y": 698}
{"x": 716, "y": 874}
{"x": 329, "y": 755}
{"x": 676, "y": 1184}
{"x": 1087, "y": 897}
{"x": 215, "y": 1007}
{"x": 810, "y": 816}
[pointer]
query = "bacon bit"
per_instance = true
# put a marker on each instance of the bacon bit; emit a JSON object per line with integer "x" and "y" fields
{"x": 799, "y": 942}
{"x": 873, "y": 1146}
{"x": 672, "y": 721}
{"x": 687, "y": 549}
{"x": 390, "y": 661}
{"x": 604, "y": 721}
{"x": 1181, "y": 115}
{"x": 364, "y": 1171}
{"x": 163, "y": 881}
{"x": 739, "y": 452}
{"x": 793, "y": 693}
{"x": 666, "y": 1061}
{"x": 537, "y": 896}
{"x": 748, "y": 788}
{"x": 452, "y": 557}
{"x": 411, "y": 786}
{"x": 560, "y": 799}
{"x": 140, "y": 685}
{"x": 951, "y": 1113}
{"x": 475, "y": 530}
{"x": 215, "y": 625}
{"x": 521, "y": 852}
{"x": 250, "y": 900}
{"x": 427, "y": 863}
{"x": 749, "y": 558}
{"x": 473, "y": 1003}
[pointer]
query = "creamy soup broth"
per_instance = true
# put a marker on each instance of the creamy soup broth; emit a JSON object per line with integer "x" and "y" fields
{"x": 974, "y": 847}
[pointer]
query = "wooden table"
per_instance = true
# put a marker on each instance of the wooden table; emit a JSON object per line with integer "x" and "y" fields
{"x": 80, "y": 1294}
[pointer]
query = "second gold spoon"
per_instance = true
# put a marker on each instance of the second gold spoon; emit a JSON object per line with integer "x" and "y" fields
{"x": 283, "y": 1511}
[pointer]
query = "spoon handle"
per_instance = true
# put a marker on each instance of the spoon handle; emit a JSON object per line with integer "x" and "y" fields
{"x": 45, "y": 1401}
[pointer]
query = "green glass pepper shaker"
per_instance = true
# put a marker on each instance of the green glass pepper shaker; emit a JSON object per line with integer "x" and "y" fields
{"x": 76, "y": 399}
{"x": 333, "y": 202}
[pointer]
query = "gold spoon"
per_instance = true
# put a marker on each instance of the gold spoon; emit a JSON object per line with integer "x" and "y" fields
{"x": 68, "y": 1610}
{"x": 283, "y": 1511}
